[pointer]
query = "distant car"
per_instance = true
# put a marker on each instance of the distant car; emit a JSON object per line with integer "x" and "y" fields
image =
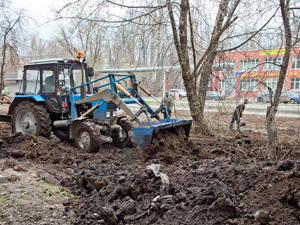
{"x": 295, "y": 98}
{"x": 181, "y": 93}
{"x": 214, "y": 95}
{"x": 264, "y": 96}
{"x": 285, "y": 97}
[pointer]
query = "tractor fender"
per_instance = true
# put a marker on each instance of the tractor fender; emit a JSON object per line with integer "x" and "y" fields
{"x": 18, "y": 99}
{"x": 73, "y": 125}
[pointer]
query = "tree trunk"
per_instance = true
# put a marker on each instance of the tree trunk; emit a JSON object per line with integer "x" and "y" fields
{"x": 2, "y": 69}
{"x": 203, "y": 68}
{"x": 202, "y": 125}
{"x": 207, "y": 64}
{"x": 271, "y": 126}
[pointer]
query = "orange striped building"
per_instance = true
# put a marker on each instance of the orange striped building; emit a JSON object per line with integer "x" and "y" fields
{"x": 255, "y": 70}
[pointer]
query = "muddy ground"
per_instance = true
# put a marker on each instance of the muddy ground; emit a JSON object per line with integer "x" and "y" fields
{"x": 225, "y": 179}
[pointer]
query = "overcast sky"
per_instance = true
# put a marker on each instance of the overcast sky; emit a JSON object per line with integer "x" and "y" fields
{"x": 40, "y": 11}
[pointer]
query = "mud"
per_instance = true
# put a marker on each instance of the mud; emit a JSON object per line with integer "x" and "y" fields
{"x": 225, "y": 179}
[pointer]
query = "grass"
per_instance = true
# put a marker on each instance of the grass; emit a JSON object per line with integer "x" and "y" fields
{"x": 151, "y": 102}
{"x": 24, "y": 197}
{"x": 52, "y": 190}
{"x": 65, "y": 193}
{"x": 46, "y": 191}
{"x": 56, "y": 191}
{"x": 3, "y": 214}
{"x": 4, "y": 199}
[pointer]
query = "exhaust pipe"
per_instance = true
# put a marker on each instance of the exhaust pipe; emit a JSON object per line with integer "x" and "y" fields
{"x": 61, "y": 123}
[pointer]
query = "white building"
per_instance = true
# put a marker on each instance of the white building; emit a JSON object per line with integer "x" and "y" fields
{"x": 12, "y": 83}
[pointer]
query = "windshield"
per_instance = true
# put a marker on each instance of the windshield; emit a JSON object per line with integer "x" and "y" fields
{"x": 65, "y": 80}
{"x": 64, "y": 84}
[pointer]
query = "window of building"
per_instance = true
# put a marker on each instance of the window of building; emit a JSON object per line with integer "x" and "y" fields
{"x": 248, "y": 65}
{"x": 250, "y": 84}
{"x": 295, "y": 63}
{"x": 295, "y": 84}
{"x": 221, "y": 85}
{"x": 270, "y": 82}
{"x": 224, "y": 66}
{"x": 272, "y": 63}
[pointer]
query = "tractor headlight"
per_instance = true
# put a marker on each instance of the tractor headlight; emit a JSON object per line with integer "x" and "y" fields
{"x": 107, "y": 114}
{"x": 114, "y": 113}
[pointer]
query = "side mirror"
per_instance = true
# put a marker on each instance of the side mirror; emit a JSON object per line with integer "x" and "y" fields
{"x": 90, "y": 71}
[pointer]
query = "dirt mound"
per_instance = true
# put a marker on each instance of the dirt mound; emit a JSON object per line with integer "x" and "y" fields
{"x": 204, "y": 192}
{"x": 40, "y": 149}
{"x": 213, "y": 180}
{"x": 169, "y": 146}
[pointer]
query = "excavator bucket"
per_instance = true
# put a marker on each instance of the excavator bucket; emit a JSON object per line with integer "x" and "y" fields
{"x": 143, "y": 136}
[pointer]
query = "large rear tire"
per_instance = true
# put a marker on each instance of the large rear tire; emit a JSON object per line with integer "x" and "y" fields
{"x": 124, "y": 141}
{"x": 31, "y": 119}
{"x": 86, "y": 137}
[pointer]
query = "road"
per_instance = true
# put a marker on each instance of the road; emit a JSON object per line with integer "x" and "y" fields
{"x": 284, "y": 110}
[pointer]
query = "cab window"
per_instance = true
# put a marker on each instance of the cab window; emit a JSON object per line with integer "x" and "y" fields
{"x": 48, "y": 81}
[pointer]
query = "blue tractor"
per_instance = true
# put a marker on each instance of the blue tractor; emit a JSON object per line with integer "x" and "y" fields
{"x": 58, "y": 95}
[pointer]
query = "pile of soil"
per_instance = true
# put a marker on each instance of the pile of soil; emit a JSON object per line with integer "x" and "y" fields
{"x": 212, "y": 180}
{"x": 217, "y": 191}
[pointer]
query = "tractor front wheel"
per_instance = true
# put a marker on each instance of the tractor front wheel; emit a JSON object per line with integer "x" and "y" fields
{"x": 86, "y": 137}
{"x": 31, "y": 119}
{"x": 123, "y": 141}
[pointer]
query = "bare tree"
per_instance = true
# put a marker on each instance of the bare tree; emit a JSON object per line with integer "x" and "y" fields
{"x": 10, "y": 29}
{"x": 202, "y": 66}
{"x": 85, "y": 36}
{"x": 37, "y": 48}
{"x": 198, "y": 37}
{"x": 271, "y": 126}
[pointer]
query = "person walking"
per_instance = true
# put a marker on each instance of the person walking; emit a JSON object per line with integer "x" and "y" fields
{"x": 237, "y": 114}
{"x": 169, "y": 103}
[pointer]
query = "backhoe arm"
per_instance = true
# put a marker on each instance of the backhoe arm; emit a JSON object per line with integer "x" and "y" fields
{"x": 107, "y": 96}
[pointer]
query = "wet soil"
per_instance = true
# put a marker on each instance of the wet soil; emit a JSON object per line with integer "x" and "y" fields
{"x": 225, "y": 179}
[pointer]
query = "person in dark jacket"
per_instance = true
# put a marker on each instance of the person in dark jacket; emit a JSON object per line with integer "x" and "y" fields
{"x": 237, "y": 114}
{"x": 169, "y": 103}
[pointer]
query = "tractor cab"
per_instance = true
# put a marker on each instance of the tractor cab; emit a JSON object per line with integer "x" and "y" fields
{"x": 52, "y": 80}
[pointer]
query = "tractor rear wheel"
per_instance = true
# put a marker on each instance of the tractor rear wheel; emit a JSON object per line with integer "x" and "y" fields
{"x": 123, "y": 141}
{"x": 31, "y": 119}
{"x": 86, "y": 137}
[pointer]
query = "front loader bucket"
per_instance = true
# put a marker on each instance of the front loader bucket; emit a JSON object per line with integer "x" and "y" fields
{"x": 143, "y": 136}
